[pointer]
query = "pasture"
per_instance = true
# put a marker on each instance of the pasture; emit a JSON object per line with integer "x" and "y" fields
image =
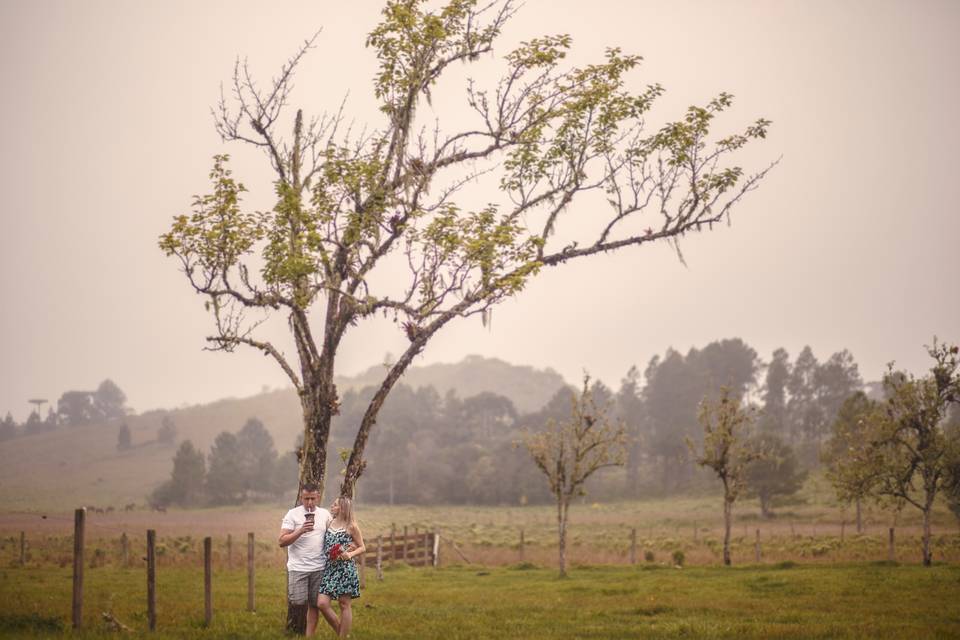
{"x": 865, "y": 600}
{"x": 811, "y": 530}
{"x": 810, "y": 582}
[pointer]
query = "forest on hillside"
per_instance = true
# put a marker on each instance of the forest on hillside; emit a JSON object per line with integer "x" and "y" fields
{"x": 433, "y": 448}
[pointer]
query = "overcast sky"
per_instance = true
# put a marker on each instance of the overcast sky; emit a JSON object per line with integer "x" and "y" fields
{"x": 851, "y": 242}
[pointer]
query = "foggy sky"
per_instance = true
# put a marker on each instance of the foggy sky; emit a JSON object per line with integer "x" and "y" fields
{"x": 849, "y": 243}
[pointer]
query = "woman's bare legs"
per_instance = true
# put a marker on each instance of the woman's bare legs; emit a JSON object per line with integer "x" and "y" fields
{"x": 323, "y": 603}
{"x": 346, "y": 616}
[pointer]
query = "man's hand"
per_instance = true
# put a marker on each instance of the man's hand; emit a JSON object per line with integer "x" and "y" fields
{"x": 288, "y": 537}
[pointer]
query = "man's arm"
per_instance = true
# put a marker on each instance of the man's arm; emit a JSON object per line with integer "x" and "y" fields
{"x": 289, "y": 536}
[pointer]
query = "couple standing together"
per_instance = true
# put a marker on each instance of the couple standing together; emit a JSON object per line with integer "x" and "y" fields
{"x": 321, "y": 545}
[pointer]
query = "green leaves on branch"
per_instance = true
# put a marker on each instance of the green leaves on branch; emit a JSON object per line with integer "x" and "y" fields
{"x": 482, "y": 243}
{"x": 413, "y": 45}
{"x": 542, "y": 52}
{"x": 573, "y": 117}
{"x": 217, "y": 233}
{"x": 684, "y": 141}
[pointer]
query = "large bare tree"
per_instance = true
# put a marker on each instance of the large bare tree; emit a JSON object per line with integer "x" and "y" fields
{"x": 349, "y": 207}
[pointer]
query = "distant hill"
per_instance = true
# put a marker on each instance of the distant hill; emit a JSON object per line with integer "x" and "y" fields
{"x": 528, "y": 388}
{"x": 74, "y": 466}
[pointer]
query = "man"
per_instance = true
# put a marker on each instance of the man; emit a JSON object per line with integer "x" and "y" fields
{"x": 302, "y": 534}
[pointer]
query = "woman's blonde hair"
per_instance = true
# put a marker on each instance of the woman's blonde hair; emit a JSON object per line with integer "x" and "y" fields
{"x": 346, "y": 510}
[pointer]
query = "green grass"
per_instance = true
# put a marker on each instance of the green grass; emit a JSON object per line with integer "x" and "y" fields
{"x": 813, "y": 601}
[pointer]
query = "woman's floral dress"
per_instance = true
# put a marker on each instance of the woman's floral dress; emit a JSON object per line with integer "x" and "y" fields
{"x": 340, "y": 576}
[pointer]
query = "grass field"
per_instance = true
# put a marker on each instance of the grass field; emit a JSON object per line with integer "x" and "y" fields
{"x": 811, "y": 530}
{"x": 866, "y": 600}
{"x": 811, "y": 583}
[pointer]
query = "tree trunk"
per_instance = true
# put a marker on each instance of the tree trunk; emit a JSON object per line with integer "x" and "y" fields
{"x": 562, "y": 532}
{"x": 319, "y": 403}
{"x": 390, "y": 486}
{"x": 297, "y": 619}
{"x": 765, "y": 505}
{"x": 665, "y": 474}
{"x": 727, "y": 517}
{"x": 927, "y": 554}
{"x": 356, "y": 462}
{"x": 859, "y": 519}
{"x": 633, "y": 470}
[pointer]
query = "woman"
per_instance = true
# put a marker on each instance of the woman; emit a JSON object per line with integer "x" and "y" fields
{"x": 340, "y": 581}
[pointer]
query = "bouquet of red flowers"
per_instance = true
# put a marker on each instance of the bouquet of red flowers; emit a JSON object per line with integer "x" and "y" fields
{"x": 335, "y": 551}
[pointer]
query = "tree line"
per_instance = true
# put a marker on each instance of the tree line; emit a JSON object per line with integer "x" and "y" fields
{"x": 74, "y": 408}
{"x": 429, "y": 448}
{"x": 240, "y": 467}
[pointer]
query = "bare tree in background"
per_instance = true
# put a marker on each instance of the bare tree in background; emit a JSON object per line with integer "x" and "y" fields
{"x": 725, "y": 450}
{"x": 350, "y": 206}
{"x": 571, "y": 451}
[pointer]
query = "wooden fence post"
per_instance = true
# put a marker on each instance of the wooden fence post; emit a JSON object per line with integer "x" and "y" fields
{"x": 890, "y": 551}
{"x": 393, "y": 544}
{"x": 250, "y": 574}
{"x": 436, "y": 548}
{"x": 522, "y": 545}
{"x": 151, "y": 580}
{"x": 229, "y": 551}
{"x": 416, "y": 546}
{"x": 124, "y": 549}
{"x": 633, "y": 546}
{"x": 23, "y": 548}
{"x": 379, "y": 557}
{"x": 79, "y": 522}
{"x": 404, "y": 553}
{"x": 207, "y": 581}
{"x": 757, "y": 549}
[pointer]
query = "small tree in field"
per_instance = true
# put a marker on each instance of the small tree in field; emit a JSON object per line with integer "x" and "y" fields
{"x": 852, "y": 460}
{"x": 167, "y": 433}
{"x": 777, "y": 473}
{"x": 123, "y": 438}
{"x": 570, "y": 451}
{"x": 952, "y": 486}
{"x": 725, "y": 431}
{"x": 914, "y": 448}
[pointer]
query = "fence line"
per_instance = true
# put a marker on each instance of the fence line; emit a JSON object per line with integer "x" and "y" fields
{"x": 151, "y": 579}
{"x": 415, "y": 549}
{"x": 78, "y": 538}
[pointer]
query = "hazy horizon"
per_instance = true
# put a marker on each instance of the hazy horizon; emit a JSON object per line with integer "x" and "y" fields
{"x": 850, "y": 242}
